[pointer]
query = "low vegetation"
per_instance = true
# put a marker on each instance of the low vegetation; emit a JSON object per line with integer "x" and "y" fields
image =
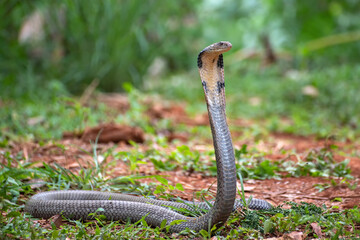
{"x": 20, "y": 179}
{"x": 51, "y": 83}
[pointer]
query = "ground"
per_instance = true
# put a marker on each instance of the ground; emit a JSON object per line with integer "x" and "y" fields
{"x": 69, "y": 153}
{"x": 72, "y": 152}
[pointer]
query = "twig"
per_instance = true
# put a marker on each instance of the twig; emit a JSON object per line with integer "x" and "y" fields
{"x": 89, "y": 91}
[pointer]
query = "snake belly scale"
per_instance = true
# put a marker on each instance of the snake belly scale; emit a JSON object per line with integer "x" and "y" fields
{"x": 77, "y": 204}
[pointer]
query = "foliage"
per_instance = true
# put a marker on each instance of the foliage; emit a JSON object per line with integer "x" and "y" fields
{"x": 244, "y": 224}
{"x": 44, "y": 119}
{"x": 114, "y": 41}
{"x": 120, "y": 44}
{"x": 278, "y": 99}
{"x": 291, "y": 25}
{"x": 316, "y": 164}
{"x": 299, "y": 216}
{"x": 119, "y": 41}
{"x": 250, "y": 164}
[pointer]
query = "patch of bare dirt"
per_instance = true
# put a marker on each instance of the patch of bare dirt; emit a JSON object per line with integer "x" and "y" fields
{"x": 155, "y": 109}
{"x": 176, "y": 113}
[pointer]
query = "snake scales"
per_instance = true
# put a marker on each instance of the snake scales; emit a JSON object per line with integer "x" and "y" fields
{"x": 79, "y": 204}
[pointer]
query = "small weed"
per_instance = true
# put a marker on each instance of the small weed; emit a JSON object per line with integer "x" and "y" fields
{"x": 188, "y": 160}
{"x": 318, "y": 163}
{"x": 322, "y": 186}
{"x": 165, "y": 187}
{"x": 133, "y": 159}
{"x": 315, "y": 164}
{"x": 161, "y": 165}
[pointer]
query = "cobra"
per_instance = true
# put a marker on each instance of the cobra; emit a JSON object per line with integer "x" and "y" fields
{"x": 77, "y": 204}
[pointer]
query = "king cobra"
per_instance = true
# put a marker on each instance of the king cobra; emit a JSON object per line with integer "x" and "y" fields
{"x": 75, "y": 204}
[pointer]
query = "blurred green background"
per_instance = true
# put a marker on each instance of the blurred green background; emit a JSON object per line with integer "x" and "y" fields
{"x": 294, "y": 63}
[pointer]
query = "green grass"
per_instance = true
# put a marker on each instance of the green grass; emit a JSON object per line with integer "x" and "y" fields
{"x": 113, "y": 42}
{"x": 16, "y": 188}
{"x": 279, "y": 220}
{"x": 46, "y": 119}
{"x": 121, "y": 41}
{"x": 118, "y": 43}
{"x": 279, "y": 106}
{"x": 274, "y": 96}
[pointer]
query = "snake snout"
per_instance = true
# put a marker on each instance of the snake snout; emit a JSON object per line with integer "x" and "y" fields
{"x": 223, "y": 46}
{"x": 218, "y": 47}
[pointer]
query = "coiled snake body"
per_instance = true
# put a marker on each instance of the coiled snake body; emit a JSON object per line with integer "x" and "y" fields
{"x": 79, "y": 204}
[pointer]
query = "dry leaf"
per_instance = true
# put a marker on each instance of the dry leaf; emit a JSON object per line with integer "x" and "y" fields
{"x": 317, "y": 229}
{"x": 57, "y": 220}
{"x": 294, "y": 236}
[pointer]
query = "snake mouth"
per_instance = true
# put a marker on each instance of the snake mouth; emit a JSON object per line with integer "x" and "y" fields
{"x": 218, "y": 47}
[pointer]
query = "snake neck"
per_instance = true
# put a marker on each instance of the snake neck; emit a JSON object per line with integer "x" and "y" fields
{"x": 211, "y": 71}
{"x": 225, "y": 163}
